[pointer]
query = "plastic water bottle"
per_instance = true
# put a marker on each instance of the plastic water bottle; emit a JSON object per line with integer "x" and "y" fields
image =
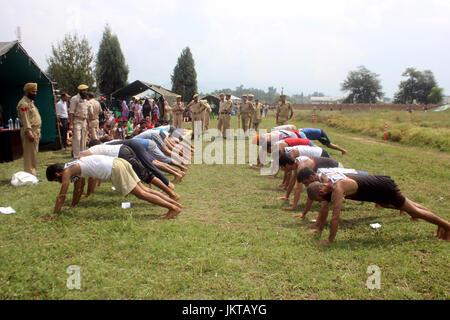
{"x": 10, "y": 124}
{"x": 17, "y": 126}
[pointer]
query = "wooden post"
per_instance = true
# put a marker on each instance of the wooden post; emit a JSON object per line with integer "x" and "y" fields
{"x": 313, "y": 116}
{"x": 385, "y": 131}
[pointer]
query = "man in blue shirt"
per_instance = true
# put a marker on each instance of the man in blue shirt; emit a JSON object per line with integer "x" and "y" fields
{"x": 321, "y": 136}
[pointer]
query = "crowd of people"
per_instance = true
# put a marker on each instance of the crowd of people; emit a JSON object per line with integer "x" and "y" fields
{"x": 135, "y": 147}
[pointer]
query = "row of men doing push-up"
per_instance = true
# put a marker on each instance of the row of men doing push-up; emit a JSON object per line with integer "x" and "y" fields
{"x": 327, "y": 181}
{"x": 128, "y": 164}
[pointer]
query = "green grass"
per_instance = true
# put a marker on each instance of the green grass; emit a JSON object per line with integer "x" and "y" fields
{"x": 231, "y": 241}
{"x": 428, "y": 130}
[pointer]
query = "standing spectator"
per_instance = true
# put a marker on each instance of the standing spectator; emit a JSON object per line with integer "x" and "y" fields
{"x": 155, "y": 112}
{"x": 125, "y": 110}
{"x": 63, "y": 118}
{"x": 266, "y": 109}
{"x": 146, "y": 108}
{"x": 138, "y": 112}
{"x": 133, "y": 102}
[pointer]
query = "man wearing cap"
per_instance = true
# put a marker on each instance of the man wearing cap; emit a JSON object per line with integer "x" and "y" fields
{"x": 78, "y": 120}
{"x": 284, "y": 111}
{"x": 30, "y": 132}
{"x": 93, "y": 112}
{"x": 197, "y": 108}
{"x": 178, "y": 110}
{"x": 256, "y": 116}
{"x": 246, "y": 110}
{"x": 225, "y": 107}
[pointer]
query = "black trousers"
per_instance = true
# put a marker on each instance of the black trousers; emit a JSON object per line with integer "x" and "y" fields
{"x": 63, "y": 128}
{"x": 142, "y": 172}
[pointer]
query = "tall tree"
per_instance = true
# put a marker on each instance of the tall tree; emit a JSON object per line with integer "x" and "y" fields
{"x": 435, "y": 95}
{"x": 416, "y": 87}
{"x": 184, "y": 77}
{"x": 111, "y": 70}
{"x": 71, "y": 63}
{"x": 363, "y": 85}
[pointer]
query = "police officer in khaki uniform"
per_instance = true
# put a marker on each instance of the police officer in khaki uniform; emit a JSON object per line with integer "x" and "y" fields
{"x": 177, "y": 111}
{"x": 78, "y": 116}
{"x": 30, "y": 132}
{"x": 256, "y": 117}
{"x": 246, "y": 110}
{"x": 250, "y": 99}
{"x": 94, "y": 111}
{"x": 284, "y": 111}
{"x": 206, "y": 115}
{"x": 167, "y": 113}
{"x": 197, "y": 108}
{"x": 225, "y": 107}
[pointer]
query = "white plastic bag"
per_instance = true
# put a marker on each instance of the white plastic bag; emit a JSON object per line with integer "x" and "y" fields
{"x": 23, "y": 178}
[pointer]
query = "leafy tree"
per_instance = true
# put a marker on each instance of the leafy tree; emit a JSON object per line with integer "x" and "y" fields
{"x": 111, "y": 70}
{"x": 363, "y": 85}
{"x": 71, "y": 63}
{"x": 184, "y": 77}
{"x": 416, "y": 87}
{"x": 435, "y": 95}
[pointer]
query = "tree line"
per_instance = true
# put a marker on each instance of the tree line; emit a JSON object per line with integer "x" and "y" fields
{"x": 72, "y": 63}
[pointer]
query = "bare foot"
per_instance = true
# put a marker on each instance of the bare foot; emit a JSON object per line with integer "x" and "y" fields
{"x": 300, "y": 215}
{"x": 171, "y": 213}
{"x": 178, "y": 178}
{"x": 283, "y": 198}
{"x": 171, "y": 186}
{"x": 344, "y": 152}
{"x": 312, "y": 231}
{"x": 175, "y": 196}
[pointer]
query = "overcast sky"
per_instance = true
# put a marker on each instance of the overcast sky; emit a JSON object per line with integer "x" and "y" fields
{"x": 303, "y": 46}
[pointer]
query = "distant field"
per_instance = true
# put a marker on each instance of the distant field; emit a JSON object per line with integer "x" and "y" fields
{"x": 424, "y": 129}
{"x": 232, "y": 239}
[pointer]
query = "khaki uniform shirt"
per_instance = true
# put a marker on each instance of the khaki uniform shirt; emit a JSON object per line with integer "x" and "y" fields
{"x": 225, "y": 106}
{"x": 256, "y": 117}
{"x": 94, "y": 109}
{"x": 167, "y": 110}
{"x": 178, "y": 108}
{"x": 284, "y": 111}
{"x": 79, "y": 107}
{"x": 197, "y": 107}
{"x": 29, "y": 115}
{"x": 247, "y": 108}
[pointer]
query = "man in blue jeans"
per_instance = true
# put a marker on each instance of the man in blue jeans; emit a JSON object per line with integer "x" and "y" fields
{"x": 321, "y": 136}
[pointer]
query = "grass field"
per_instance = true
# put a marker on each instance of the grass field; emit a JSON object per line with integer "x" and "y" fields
{"x": 428, "y": 130}
{"x": 232, "y": 239}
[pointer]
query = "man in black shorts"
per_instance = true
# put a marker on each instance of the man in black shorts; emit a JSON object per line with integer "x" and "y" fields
{"x": 379, "y": 189}
{"x": 321, "y": 136}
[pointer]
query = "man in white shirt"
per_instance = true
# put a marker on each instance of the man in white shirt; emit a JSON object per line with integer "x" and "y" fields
{"x": 117, "y": 170}
{"x": 63, "y": 118}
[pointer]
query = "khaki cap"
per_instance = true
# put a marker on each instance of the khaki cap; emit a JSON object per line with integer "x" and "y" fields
{"x": 250, "y": 95}
{"x": 82, "y": 87}
{"x": 222, "y": 94}
{"x": 178, "y": 96}
{"x": 195, "y": 95}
